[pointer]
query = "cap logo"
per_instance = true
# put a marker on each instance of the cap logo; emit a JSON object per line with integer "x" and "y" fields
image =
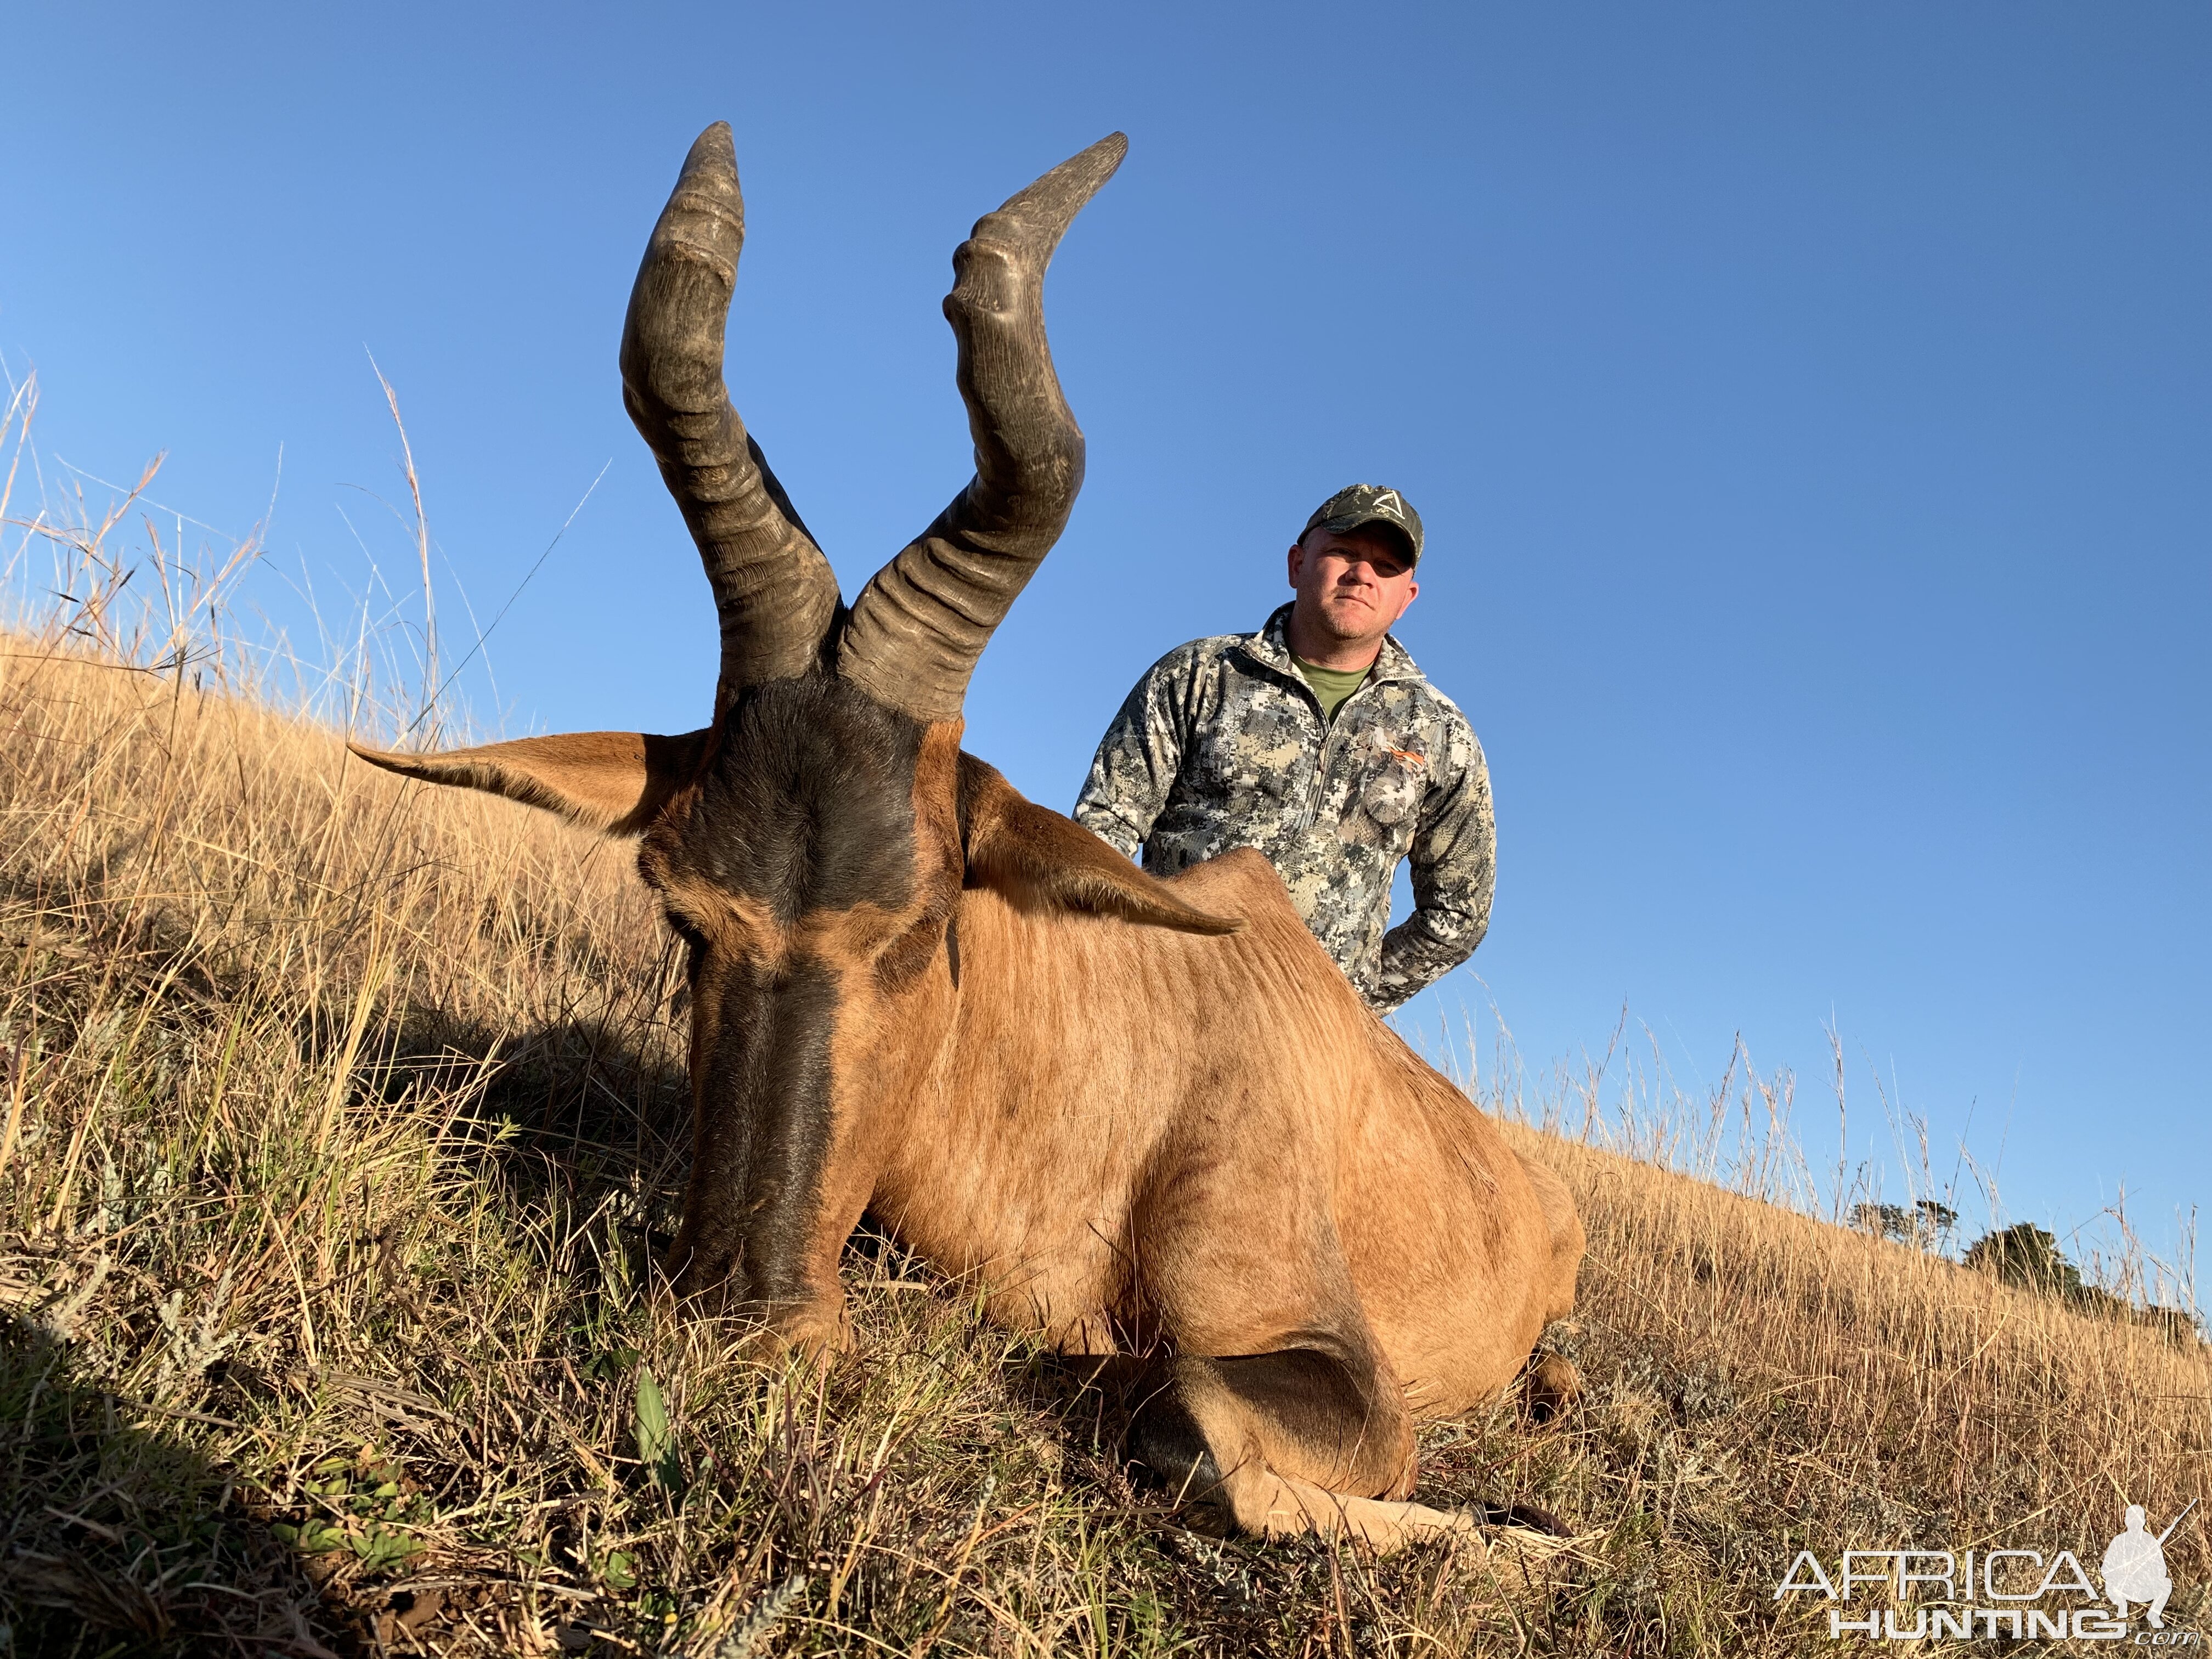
{"x": 1387, "y": 501}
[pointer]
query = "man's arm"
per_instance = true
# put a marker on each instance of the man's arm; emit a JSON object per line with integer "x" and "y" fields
{"x": 1136, "y": 759}
{"x": 1454, "y": 865}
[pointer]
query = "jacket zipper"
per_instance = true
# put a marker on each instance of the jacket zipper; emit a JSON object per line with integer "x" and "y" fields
{"x": 1321, "y": 765}
{"x": 1327, "y": 736}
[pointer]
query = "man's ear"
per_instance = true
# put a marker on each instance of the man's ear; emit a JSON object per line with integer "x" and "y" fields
{"x": 1037, "y": 858}
{"x": 614, "y": 782}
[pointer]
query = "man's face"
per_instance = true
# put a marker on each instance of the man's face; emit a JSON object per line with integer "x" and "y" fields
{"x": 1351, "y": 588}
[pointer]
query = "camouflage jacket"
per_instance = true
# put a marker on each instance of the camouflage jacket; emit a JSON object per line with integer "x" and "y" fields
{"x": 1221, "y": 745}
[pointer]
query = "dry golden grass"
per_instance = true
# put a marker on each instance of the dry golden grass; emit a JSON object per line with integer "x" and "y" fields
{"x": 1771, "y": 1383}
{"x": 342, "y": 1119}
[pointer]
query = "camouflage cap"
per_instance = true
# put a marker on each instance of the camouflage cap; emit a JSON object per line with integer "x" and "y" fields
{"x": 1367, "y": 504}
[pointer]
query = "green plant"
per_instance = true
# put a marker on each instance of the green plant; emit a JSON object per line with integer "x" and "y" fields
{"x": 656, "y": 1438}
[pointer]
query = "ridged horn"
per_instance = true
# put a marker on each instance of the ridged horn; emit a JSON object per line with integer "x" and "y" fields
{"x": 920, "y": 624}
{"x": 774, "y": 594}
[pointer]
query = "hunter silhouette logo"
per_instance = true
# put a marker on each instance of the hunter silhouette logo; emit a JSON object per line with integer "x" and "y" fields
{"x": 2011, "y": 1594}
{"x": 2134, "y": 1566}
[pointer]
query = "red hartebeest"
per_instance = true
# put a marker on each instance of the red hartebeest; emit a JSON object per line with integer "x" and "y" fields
{"x": 1150, "y": 1117}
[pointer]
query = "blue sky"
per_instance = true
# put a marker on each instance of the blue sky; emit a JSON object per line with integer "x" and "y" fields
{"x": 1807, "y": 405}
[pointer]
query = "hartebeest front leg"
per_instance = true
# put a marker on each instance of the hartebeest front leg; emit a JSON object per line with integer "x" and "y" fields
{"x": 1279, "y": 1413}
{"x": 1276, "y": 1409}
{"x": 1293, "y": 1442}
{"x": 1281, "y": 1445}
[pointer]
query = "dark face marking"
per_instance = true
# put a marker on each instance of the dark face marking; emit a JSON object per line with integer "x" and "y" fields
{"x": 793, "y": 864}
{"x": 808, "y": 803}
{"x": 763, "y": 1127}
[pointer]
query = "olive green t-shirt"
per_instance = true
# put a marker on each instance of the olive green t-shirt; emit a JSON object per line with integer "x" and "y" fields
{"x": 1331, "y": 686}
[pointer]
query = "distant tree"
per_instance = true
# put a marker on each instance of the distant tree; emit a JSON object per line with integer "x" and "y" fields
{"x": 2025, "y": 1255}
{"x": 2174, "y": 1324}
{"x": 1883, "y": 1220}
{"x": 1923, "y": 1226}
{"x": 1933, "y": 1219}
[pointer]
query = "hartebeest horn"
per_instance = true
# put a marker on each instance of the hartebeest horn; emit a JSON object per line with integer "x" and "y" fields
{"x": 919, "y": 627}
{"x": 774, "y": 593}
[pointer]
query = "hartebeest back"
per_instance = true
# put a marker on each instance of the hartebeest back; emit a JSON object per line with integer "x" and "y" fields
{"x": 1151, "y": 1117}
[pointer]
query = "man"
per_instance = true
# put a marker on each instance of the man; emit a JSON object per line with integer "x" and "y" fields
{"x": 1317, "y": 741}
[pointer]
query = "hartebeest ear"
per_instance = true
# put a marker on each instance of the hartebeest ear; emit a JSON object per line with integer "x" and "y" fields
{"x": 1034, "y": 856}
{"x": 615, "y": 782}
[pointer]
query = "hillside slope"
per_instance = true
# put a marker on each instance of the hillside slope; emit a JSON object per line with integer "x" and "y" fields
{"x": 342, "y": 1118}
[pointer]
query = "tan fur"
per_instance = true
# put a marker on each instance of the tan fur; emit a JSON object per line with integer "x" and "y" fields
{"x": 1566, "y": 1227}
{"x": 1224, "y": 1121}
{"x": 1136, "y": 1131}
